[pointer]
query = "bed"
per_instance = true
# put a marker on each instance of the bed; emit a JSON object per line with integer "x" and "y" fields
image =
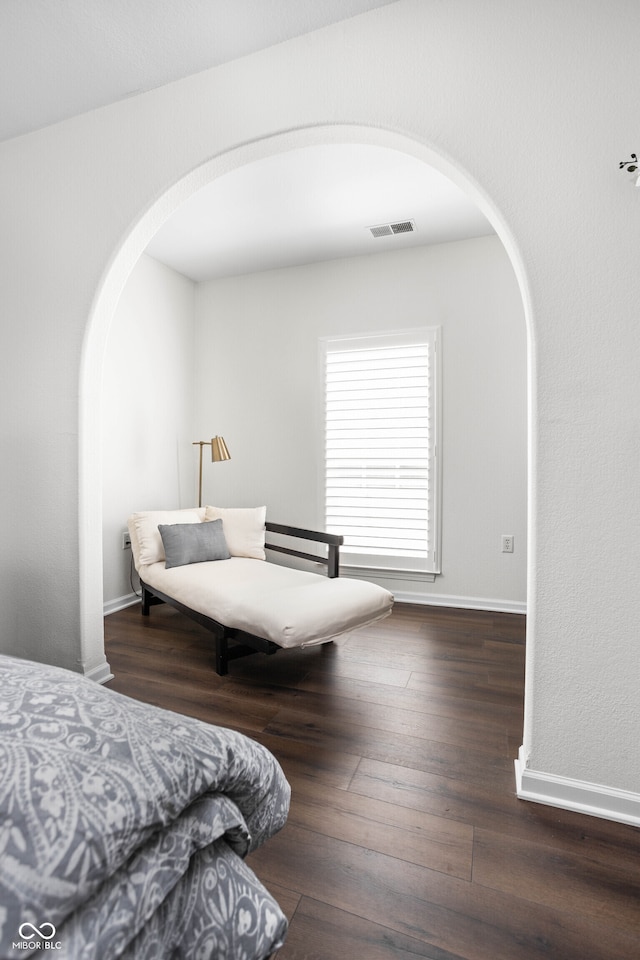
{"x": 210, "y": 563}
{"x": 124, "y": 827}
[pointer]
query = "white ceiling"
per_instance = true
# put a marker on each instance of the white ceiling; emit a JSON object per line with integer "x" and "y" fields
{"x": 59, "y": 58}
{"x": 316, "y": 203}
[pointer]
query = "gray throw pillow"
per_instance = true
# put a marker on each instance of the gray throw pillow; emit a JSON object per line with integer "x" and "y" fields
{"x": 193, "y": 542}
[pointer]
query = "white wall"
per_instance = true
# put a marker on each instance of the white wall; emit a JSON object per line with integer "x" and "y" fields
{"x": 531, "y": 108}
{"x": 147, "y": 454}
{"x": 262, "y": 333}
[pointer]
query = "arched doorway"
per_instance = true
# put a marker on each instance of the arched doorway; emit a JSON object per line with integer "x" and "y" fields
{"x": 120, "y": 268}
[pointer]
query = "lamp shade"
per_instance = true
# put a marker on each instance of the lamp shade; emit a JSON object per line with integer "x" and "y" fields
{"x": 219, "y": 450}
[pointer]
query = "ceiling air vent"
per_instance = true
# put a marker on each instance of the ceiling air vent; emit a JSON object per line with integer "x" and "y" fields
{"x": 389, "y": 229}
{"x": 406, "y": 226}
{"x": 383, "y": 231}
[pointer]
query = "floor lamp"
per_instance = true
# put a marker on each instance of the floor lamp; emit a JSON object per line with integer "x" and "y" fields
{"x": 219, "y": 452}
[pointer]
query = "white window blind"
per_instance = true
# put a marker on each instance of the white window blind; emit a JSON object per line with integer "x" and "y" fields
{"x": 381, "y": 417}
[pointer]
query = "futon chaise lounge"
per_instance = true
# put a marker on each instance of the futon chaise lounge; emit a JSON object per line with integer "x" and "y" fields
{"x": 210, "y": 563}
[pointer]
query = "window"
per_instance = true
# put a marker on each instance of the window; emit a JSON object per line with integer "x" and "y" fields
{"x": 381, "y": 428}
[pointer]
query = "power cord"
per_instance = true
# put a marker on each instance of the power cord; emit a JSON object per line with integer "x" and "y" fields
{"x": 136, "y": 590}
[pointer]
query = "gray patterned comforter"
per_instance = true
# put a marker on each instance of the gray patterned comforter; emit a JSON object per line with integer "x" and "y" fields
{"x": 123, "y": 827}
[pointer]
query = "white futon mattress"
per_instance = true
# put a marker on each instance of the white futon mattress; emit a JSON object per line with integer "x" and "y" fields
{"x": 290, "y": 607}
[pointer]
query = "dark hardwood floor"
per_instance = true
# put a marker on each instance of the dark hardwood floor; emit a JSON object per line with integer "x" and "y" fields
{"x": 405, "y": 837}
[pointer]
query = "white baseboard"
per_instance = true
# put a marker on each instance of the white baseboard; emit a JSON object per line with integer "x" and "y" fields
{"x": 462, "y": 603}
{"x": 592, "y": 799}
{"x": 385, "y": 579}
{"x": 112, "y": 606}
{"x": 100, "y": 674}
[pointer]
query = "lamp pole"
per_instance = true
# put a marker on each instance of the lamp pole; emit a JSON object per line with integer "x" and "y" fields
{"x": 219, "y": 452}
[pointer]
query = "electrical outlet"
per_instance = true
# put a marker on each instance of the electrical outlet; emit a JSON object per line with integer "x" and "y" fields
{"x": 507, "y": 543}
{"x": 126, "y": 540}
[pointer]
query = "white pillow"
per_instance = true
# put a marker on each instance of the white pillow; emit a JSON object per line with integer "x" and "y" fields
{"x": 243, "y": 529}
{"x": 146, "y": 542}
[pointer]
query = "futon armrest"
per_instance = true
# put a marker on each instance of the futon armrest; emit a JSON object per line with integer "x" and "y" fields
{"x": 334, "y": 542}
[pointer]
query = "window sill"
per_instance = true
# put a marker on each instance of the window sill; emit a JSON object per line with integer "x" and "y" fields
{"x": 389, "y": 573}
